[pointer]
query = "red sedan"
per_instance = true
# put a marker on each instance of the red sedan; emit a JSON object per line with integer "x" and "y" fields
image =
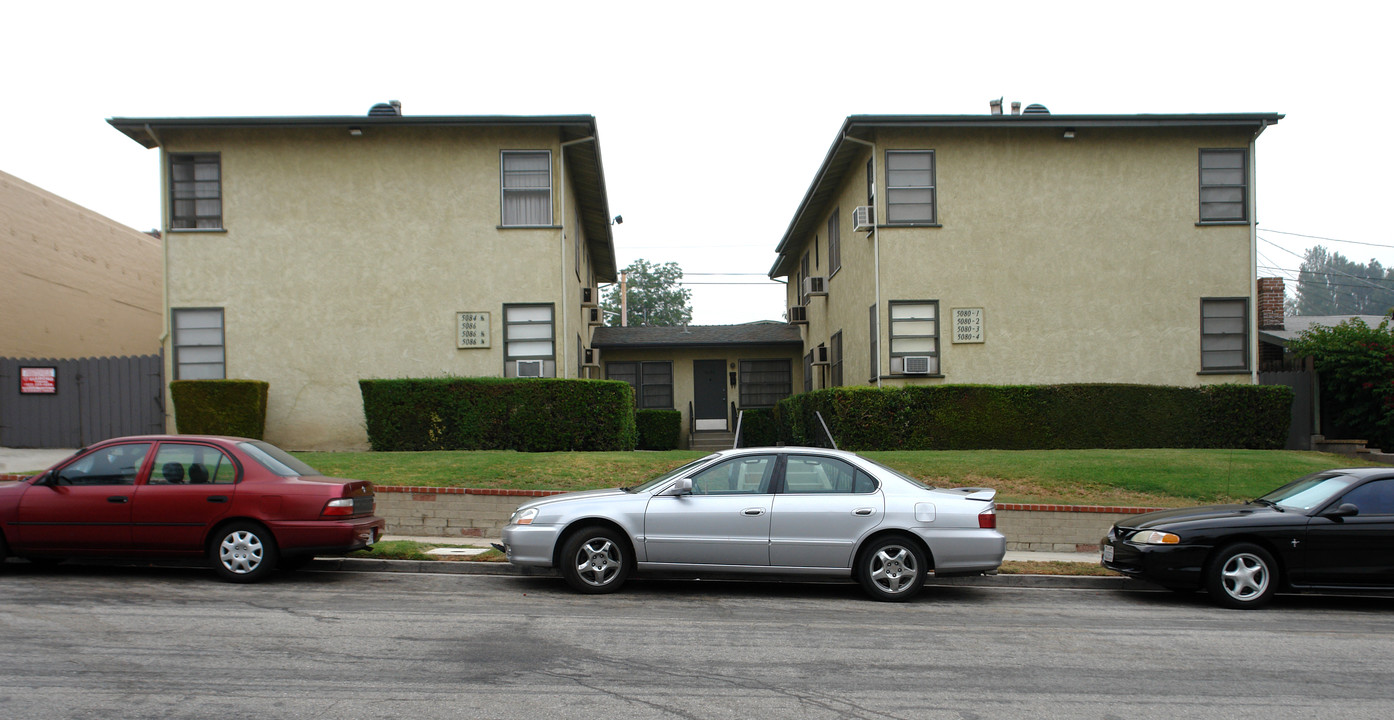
{"x": 245, "y": 505}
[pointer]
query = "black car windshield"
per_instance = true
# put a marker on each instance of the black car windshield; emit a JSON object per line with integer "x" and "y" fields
{"x": 668, "y": 475}
{"x": 276, "y": 460}
{"x": 1309, "y": 492}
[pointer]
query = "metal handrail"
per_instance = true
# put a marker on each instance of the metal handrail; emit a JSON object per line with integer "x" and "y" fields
{"x": 740, "y": 415}
{"x": 825, "y": 428}
{"x": 691, "y": 419}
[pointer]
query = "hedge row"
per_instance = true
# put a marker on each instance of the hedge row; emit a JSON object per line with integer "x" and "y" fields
{"x": 1039, "y": 417}
{"x": 658, "y": 429}
{"x": 533, "y": 415}
{"x": 220, "y": 407}
{"x": 759, "y": 428}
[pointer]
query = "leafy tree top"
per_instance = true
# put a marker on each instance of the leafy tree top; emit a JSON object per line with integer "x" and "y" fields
{"x": 656, "y": 296}
{"x": 1329, "y": 284}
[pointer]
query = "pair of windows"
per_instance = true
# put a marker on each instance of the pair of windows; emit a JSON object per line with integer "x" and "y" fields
{"x": 196, "y": 190}
{"x": 803, "y": 474}
{"x": 652, "y": 382}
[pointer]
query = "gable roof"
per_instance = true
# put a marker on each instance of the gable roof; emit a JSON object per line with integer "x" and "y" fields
{"x": 582, "y": 158}
{"x": 859, "y": 131}
{"x": 756, "y": 333}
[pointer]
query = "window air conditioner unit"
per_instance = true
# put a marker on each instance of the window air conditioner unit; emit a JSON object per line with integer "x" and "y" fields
{"x": 589, "y": 297}
{"x": 916, "y": 364}
{"x": 864, "y": 219}
{"x": 592, "y": 358}
{"x": 816, "y": 285}
{"x": 820, "y": 355}
{"x": 595, "y": 316}
{"x": 528, "y": 368}
{"x": 798, "y": 315}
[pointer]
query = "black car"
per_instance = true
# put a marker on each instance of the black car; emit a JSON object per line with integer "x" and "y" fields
{"x": 1332, "y": 530}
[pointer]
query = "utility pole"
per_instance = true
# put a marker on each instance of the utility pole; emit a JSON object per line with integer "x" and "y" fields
{"x": 624, "y": 300}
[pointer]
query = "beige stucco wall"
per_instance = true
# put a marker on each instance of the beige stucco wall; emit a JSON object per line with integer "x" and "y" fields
{"x": 1084, "y": 255}
{"x": 345, "y": 258}
{"x": 682, "y": 359}
{"x": 73, "y": 283}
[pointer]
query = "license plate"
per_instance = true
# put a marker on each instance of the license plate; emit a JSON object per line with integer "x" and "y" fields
{"x": 1108, "y": 553}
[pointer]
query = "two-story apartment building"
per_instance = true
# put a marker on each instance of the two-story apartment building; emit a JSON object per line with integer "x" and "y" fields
{"x": 311, "y": 252}
{"x": 1028, "y": 249}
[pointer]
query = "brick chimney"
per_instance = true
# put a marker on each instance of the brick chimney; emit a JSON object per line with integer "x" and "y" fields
{"x": 1270, "y": 303}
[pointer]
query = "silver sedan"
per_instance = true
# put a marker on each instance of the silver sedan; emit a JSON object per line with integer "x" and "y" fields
{"x": 786, "y": 511}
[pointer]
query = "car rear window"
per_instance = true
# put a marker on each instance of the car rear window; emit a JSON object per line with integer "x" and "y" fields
{"x": 276, "y": 460}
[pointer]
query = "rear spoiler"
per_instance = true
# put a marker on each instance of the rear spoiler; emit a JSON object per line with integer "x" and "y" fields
{"x": 981, "y": 494}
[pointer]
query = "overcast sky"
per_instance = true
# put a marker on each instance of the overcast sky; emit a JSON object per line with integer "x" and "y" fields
{"x": 713, "y": 116}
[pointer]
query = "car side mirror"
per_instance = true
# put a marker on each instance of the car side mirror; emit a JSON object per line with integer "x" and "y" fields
{"x": 1343, "y": 510}
{"x": 683, "y": 486}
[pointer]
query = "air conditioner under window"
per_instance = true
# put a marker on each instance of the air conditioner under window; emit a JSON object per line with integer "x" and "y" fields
{"x": 595, "y": 316}
{"x": 589, "y": 297}
{"x": 798, "y": 315}
{"x": 592, "y": 358}
{"x": 820, "y": 355}
{"x": 815, "y": 285}
{"x": 916, "y": 364}
{"x": 528, "y": 368}
{"x": 864, "y": 219}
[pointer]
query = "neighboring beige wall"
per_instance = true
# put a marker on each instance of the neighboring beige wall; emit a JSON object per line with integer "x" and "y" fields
{"x": 682, "y": 359}
{"x": 73, "y": 284}
{"x": 345, "y": 258}
{"x": 1084, "y": 255}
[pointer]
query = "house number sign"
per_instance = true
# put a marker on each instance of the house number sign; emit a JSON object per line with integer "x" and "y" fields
{"x": 472, "y": 329}
{"x": 968, "y": 325}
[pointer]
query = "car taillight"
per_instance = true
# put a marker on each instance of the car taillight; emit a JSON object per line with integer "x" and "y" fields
{"x": 988, "y": 518}
{"x": 338, "y": 507}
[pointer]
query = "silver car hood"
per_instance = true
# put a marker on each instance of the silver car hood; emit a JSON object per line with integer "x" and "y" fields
{"x": 568, "y": 497}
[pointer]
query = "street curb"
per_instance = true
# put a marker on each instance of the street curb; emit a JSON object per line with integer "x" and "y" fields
{"x": 465, "y": 567}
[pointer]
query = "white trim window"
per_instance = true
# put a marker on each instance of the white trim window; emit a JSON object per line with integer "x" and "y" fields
{"x": 528, "y": 335}
{"x": 199, "y": 352}
{"x": 914, "y": 326}
{"x": 527, "y": 188}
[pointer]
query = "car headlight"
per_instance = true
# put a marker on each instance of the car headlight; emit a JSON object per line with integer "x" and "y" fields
{"x": 1154, "y": 537}
{"x": 523, "y": 517}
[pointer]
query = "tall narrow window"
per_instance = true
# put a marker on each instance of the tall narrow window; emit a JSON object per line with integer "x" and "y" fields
{"x": 527, "y": 188}
{"x": 1224, "y": 334}
{"x": 875, "y": 346}
{"x": 528, "y": 341}
{"x": 1224, "y": 186}
{"x": 914, "y": 330}
{"x": 808, "y": 372}
{"x": 196, "y": 192}
{"x": 198, "y": 344}
{"x": 835, "y": 358}
{"x": 910, "y": 191}
{"x": 834, "y": 243}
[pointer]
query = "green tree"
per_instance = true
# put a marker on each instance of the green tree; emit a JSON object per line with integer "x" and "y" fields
{"x": 1330, "y": 284}
{"x": 656, "y": 296}
{"x": 1356, "y": 366}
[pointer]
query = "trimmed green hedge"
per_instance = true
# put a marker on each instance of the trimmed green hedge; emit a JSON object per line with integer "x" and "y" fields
{"x": 1040, "y": 417}
{"x": 658, "y": 429}
{"x": 220, "y": 407}
{"x": 758, "y": 428}
{"x": 532, "y": 415}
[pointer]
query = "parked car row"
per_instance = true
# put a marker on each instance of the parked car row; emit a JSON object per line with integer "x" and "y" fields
{"x": 248, "y": 507}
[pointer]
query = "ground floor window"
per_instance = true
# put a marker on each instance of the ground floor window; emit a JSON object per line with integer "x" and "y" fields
{"x": 652, "y": 382}
{"x": 765, "y": 382}
{"x": 914, "y": 327}
{"x": 528, "y": 332}
{"x": 1224, "y": 336}
{"x": 198, "y": 344}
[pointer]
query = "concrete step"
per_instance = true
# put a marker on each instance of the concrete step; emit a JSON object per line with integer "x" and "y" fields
{"x": 711, "y": 440}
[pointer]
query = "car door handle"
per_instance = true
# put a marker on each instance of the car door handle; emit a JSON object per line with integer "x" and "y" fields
{"x": 118, "y": 499}
{"x": 753, "y": 512}
{"x": 217, "y": 498}
{"x": 863, "y": 512}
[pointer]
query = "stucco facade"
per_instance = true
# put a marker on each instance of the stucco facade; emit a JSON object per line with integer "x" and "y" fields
{"x": 347, "y": 246}
{"x": 1074, "y": 243}
{"x": 73, "y": 283}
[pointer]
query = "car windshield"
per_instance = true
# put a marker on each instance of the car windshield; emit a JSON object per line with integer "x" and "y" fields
{"x": 1309, "y": 492}
{"x": 276, "y": 460}
{"x": 668, "y": 475}
{"x": 899, "y": 474}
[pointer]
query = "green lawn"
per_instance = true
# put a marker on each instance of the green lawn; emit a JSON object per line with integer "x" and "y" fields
{"x": 1085, "y": 477}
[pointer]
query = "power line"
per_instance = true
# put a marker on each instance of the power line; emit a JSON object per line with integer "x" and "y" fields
{"x": 1327, "y": 239}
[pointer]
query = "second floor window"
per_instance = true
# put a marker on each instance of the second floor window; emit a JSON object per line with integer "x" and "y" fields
{"x": 834, "y": 242}
{"x": 910, "y": 191}
{"x": 196, "y": 192}
{"x": 1224, "y": 186}
{"x": 527, "y": 188}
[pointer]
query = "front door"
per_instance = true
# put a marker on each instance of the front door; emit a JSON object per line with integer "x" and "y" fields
{"x": 709, "y": 394}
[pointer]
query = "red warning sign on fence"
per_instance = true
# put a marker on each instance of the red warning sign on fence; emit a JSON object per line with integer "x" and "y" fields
{"x": 38, "y": 380}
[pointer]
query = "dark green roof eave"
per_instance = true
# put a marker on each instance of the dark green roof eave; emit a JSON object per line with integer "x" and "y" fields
{"x": 139, "y": 129}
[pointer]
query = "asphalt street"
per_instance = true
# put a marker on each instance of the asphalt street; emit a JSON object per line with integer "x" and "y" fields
{"x": 103, "y": 642}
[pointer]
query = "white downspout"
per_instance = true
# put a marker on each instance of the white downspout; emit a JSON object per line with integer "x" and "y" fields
{"x": 565, "y": 311}
{"x": 168, "y": 360}
{"x": 876, "y": 251}
{"x": 1253, "y": 259}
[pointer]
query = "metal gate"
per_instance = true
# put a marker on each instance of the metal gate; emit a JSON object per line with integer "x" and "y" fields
{"x": 74, "y": 403}
{"x": 1301, "y": 382}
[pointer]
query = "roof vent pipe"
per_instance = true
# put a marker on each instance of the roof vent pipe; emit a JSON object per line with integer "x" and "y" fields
{"x": 387, "y": 109}
{"x": 996, "y": 106}
{"x": 1016, "y": 108}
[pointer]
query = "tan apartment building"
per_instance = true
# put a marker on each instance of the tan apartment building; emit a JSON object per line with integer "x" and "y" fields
{"x": 73, "y": 284}
{"x": 1028, "y": 248}
{"x": 312, "y": 252}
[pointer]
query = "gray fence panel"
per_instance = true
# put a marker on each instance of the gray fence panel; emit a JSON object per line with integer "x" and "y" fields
{"x": 97, "y": 398}
{"x": 1301, "y": 381}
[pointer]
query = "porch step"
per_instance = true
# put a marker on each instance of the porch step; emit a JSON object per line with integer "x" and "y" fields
{"x": 711, "y": 440}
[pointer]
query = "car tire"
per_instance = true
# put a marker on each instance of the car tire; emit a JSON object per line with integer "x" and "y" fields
{"x": 1242, "y": 576}
{"x": 243, "y": 552}
{"x": 595, "y": 560}
{"x": 892, "y": 569}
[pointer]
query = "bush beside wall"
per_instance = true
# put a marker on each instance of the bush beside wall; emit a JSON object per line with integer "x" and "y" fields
{"x": 220, "y": 407}
{"x": 1037, "y": 417}
{"x": 658, "y": 429}
{"x": 532, "y": 415}
{"x": 758, "y": 428}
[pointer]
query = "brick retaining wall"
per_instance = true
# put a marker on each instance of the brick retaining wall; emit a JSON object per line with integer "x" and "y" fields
{"x": 473, "y": 512}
